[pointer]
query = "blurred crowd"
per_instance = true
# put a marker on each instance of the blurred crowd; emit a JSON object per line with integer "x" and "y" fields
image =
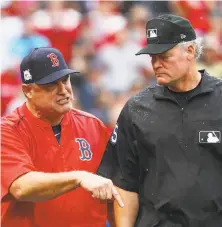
{"x": 99, "y": 39}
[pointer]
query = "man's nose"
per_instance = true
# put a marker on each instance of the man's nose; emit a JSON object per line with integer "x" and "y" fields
{"x": 61, "y": 87}
{"x": 156, "y": 62}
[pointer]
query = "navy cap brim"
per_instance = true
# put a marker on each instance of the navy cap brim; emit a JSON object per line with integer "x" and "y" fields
{"x": 156, "y": 48}
{"x": 56, "y": 76}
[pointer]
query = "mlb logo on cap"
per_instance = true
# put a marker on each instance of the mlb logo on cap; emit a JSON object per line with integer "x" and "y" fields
{"x": 209, "y": 137}
{"x": 151, "y": 33}
{"x": 166, "y": 31}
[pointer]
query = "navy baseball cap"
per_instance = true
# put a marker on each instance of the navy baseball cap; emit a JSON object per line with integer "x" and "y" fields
{"x": 44, "y": 65}
{"x": 166, "y": 31}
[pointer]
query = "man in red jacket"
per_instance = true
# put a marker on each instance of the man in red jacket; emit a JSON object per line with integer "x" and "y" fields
{"x": 51, "y": 151}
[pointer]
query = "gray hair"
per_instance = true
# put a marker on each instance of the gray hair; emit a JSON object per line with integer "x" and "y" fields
{"x": 198, "y": 46}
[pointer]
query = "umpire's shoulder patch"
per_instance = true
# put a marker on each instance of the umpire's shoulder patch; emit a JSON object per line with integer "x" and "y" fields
{"x": 113, "y": 138}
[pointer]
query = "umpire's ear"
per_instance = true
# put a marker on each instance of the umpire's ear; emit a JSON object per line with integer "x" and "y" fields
{"x": 27, "y": 90}
{"x": 191, "y": 49}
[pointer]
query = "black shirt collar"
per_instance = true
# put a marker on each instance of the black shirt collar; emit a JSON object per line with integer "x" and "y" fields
{"x": 208, "y": 84}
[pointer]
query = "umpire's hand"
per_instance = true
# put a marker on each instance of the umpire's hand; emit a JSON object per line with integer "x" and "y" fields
{"x": 100, "y": 187}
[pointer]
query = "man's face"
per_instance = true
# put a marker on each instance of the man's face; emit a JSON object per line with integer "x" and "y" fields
{"x": 170, "y": 66}
{"x": 52, "y": 99}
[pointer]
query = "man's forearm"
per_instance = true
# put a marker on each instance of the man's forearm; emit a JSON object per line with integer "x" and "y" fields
{"x": 39, "y": 186}
{"x": 127, "y": 215}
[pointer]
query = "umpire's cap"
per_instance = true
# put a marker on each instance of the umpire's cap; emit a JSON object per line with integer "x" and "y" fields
{"x": 166, "y": 31}
{"x": 44, "y": 65}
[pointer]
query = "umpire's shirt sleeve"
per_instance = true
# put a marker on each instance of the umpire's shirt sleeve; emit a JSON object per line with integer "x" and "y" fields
{"x": 120, "y": 160}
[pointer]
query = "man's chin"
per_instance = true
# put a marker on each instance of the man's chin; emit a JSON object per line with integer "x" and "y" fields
{"x": 64, "y": 108}
{"x": 162, "y": 81}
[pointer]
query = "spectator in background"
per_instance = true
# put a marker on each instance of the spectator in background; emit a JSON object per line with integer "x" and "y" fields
{"x": 216, "y": 21}
{"x": 137, "y": 17}
{"x": 19, "y": 8}
{"x": 90, "y": 94}
{"x": 101, "y": 22}
{"x": 12, "y": 27}
{"x": 197, "y": 12}
{"x": 60, "y": 24}
{"x": 30, "y": 39}
{"x": 17, "y": 100}
{"x": 119, "y": 103}
{"x": 80, "y": 59}
{"x": 157, "y": 7}
{"x": 10, "y": 83}
{"x": 118, "y": 66}
{"x": 210, "y": 59}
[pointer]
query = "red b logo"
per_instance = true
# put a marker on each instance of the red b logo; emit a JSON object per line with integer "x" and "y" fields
{"x": 54, "y": 59}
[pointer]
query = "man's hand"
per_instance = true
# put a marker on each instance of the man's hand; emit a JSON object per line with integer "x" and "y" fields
{"x": 100, "y": 187}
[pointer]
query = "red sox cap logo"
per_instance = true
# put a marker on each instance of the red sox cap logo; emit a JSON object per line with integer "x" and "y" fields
{"x": 54, "y": 59}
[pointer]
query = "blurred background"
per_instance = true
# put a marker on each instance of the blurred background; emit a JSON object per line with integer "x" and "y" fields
{"x": 99, "y": 39}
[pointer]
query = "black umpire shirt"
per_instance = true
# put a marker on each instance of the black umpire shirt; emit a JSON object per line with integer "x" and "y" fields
{"x": 167, "y": 148}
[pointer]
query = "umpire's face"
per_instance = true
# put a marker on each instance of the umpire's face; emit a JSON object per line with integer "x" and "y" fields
{"x": 174, "y": 65}
{"x": 54, "y": 99}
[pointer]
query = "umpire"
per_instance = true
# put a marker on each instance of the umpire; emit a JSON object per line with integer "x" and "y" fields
{"x": 165, "y": 152}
